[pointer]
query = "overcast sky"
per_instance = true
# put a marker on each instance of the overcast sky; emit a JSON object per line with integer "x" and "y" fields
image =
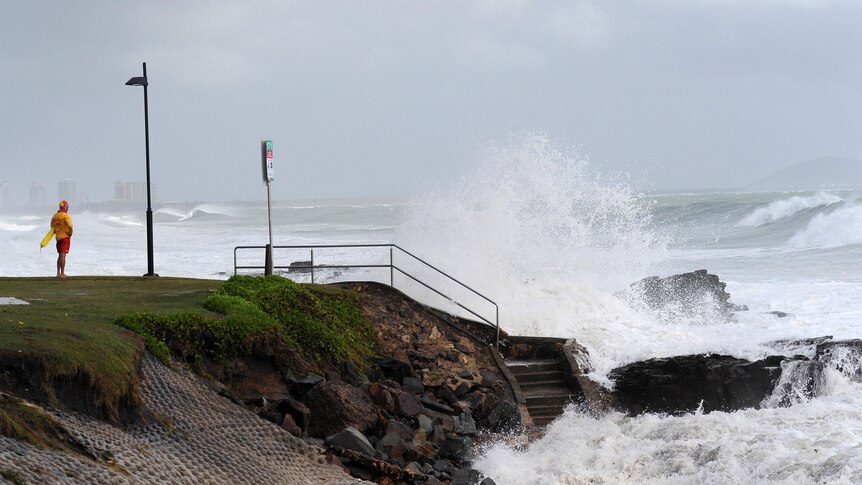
{"x": 368, "y": 98}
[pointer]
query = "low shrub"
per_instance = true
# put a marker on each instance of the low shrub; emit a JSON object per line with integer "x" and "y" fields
{"x": 320, "y": 325}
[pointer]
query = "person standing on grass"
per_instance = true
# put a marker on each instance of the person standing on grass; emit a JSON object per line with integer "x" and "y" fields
{"x": 61, "y": 223}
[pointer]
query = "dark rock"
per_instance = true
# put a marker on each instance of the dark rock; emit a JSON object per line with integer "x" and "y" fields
{"x": 351, "y": 439}
{"x": 463, "y": 388}
{"x": 444, "y": 466}
{"x": 438, "y": 435}
{"x": 337, "y": 405}
{"x": 463, "y": 348}
{"x": 778, "y": 314}
{"x": 504, "y": 417}
{"x": 413, "y": 469}
{"x": 360, "y": 473}
{"x": 400, "y": 428}
{"x": 436, "y": 405}
{"x": 465, "y": 374}
{"x": 446, "y": 394}
{"x": 425, "y": 423}
{"x": 843, "y": 355}
{"x": 685, "y": 295}
{"x": 453, "y": 356}
{"x": 487, "y": 481}
{"x": 447, "y": 422}
{"x": 419, "y": 450}
{"x": 456, "y": 447}
{"x": 408, "y": 405}
{"x": 296, "y": 410}
{"x": 413, "y": 385}
{"x": 332, "y": 376}
{"x": 289, "y": 425}
{"x": 465, "y": 476}
{"x": 492, "y": 379}
{"x": 681, "y": 384}
{"x": 801, "y": 380}
{"x": 272, "y": 417}
{"x": 465, "y": 425}
{"x": 395, "y": 369}
{"x": 389, "y": 441}
{"x": 433, "y": 481}
{"x": 299, "y": 267}
{"x": 301, "y": 386}
{"x": 350, "y": 375}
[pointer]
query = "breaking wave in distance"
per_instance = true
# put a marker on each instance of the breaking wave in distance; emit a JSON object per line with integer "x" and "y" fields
{"x": 782, "y": 209}
{"x": 841, "y": 227}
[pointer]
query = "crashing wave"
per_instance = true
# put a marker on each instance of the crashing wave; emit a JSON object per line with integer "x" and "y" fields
{"x": 782, "y": 209}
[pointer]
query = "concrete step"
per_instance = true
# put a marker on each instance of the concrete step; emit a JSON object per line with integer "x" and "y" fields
{"x": 531, "y": 366}
{"x": 529, "y": 378}
{"x": 548, "y": 400}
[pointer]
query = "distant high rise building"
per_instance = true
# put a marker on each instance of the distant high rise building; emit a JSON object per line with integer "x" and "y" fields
{"x": 4, "y": 194}
{"x": 66, "y": 191}
{"x": 38, "y": 195}
{"x": 134, "y": 192}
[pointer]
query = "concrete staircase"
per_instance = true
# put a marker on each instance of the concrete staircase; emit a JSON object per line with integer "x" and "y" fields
{"x": 545, "y": 386}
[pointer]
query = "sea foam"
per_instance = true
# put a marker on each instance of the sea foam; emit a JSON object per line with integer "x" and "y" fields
{"x": 784, "y": 208}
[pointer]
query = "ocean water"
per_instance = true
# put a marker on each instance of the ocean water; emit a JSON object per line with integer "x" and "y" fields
{"x": 552, "y": 241}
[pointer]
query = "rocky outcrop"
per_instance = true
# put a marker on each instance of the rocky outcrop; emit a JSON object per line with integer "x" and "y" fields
{"x": 686, "y": 295}
{"x": 414, "y": 414}
{"x": 336, "y": 405}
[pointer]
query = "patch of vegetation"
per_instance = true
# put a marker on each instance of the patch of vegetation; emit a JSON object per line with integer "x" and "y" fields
{"x": 24, "y": 422}
{"x": 320, "y": 324}
{"x": 11, "y": 476}
{"x": 67, "y": 329}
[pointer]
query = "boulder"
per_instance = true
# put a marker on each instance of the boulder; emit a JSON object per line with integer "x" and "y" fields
{"x": 289, "y": 425}
{"x": 413, "y": 385}
{"x": 395, "y": 369}
{"x": 843, "y": 355}
{"x": 301, "y": 386}
{"x": 298, "y": 412}
{"x": 695, "y": 294}
{"x": 465, "y": 425}
{"x": 404, "y": 431}
{"x": 336, "y": 405}
{"x": 351, "y": 439}
{"x": 504, "y": 417}
{"x": 681, "y": 384}
{"x": 456, "y": 447}
{"x": 408, "y": 405}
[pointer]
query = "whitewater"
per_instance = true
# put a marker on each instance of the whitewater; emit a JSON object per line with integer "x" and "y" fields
{"x": 540, "y": 230}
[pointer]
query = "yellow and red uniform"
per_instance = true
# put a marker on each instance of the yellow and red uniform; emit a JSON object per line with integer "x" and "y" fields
{"x": 61, "y": 223}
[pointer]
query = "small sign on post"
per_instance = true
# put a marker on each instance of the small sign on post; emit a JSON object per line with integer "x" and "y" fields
{"x": 268, "y": 176}
{"x": 266, "y": 157}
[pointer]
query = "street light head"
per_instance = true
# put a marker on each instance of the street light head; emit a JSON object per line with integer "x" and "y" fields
{"x": 137, "y": 81}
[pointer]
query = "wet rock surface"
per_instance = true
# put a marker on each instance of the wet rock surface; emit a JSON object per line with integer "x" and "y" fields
{"x": 694, "y": 294}
{"x": 713, "y": 382}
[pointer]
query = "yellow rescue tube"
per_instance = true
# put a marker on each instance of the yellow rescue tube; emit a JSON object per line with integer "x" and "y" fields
{"x": 47, "y": 238}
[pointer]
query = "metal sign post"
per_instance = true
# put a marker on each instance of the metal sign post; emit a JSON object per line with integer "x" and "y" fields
{"x": 266, "y": 158}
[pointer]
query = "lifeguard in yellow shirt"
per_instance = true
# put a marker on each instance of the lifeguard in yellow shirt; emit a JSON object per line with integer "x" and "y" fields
{"x": 61, "y": 223}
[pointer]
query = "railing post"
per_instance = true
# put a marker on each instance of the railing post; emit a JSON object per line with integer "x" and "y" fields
{"x": 391, "y": 269}
{"x": 312, "y": 266}
{"x": 497, "y": 320}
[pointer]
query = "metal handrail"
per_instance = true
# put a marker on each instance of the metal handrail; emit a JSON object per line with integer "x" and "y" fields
{"x": 392, "y": 268}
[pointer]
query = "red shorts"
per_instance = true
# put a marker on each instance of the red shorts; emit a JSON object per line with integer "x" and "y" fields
{"x": 64, "y": 244}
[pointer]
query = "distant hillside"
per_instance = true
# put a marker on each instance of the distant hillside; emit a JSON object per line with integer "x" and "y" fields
{"x": 822, "y": 173}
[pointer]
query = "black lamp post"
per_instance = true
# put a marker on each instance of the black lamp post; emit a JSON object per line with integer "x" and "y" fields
{"x": 142, "y": 81}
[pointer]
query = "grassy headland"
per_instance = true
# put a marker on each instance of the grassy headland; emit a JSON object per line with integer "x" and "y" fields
{"x": 66, "y": 334}
{"x": 90, "y": 331}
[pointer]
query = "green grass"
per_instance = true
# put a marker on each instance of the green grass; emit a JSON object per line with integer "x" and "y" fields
{"x": 322, "y": 323}
{"x": 68, "y": 324}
